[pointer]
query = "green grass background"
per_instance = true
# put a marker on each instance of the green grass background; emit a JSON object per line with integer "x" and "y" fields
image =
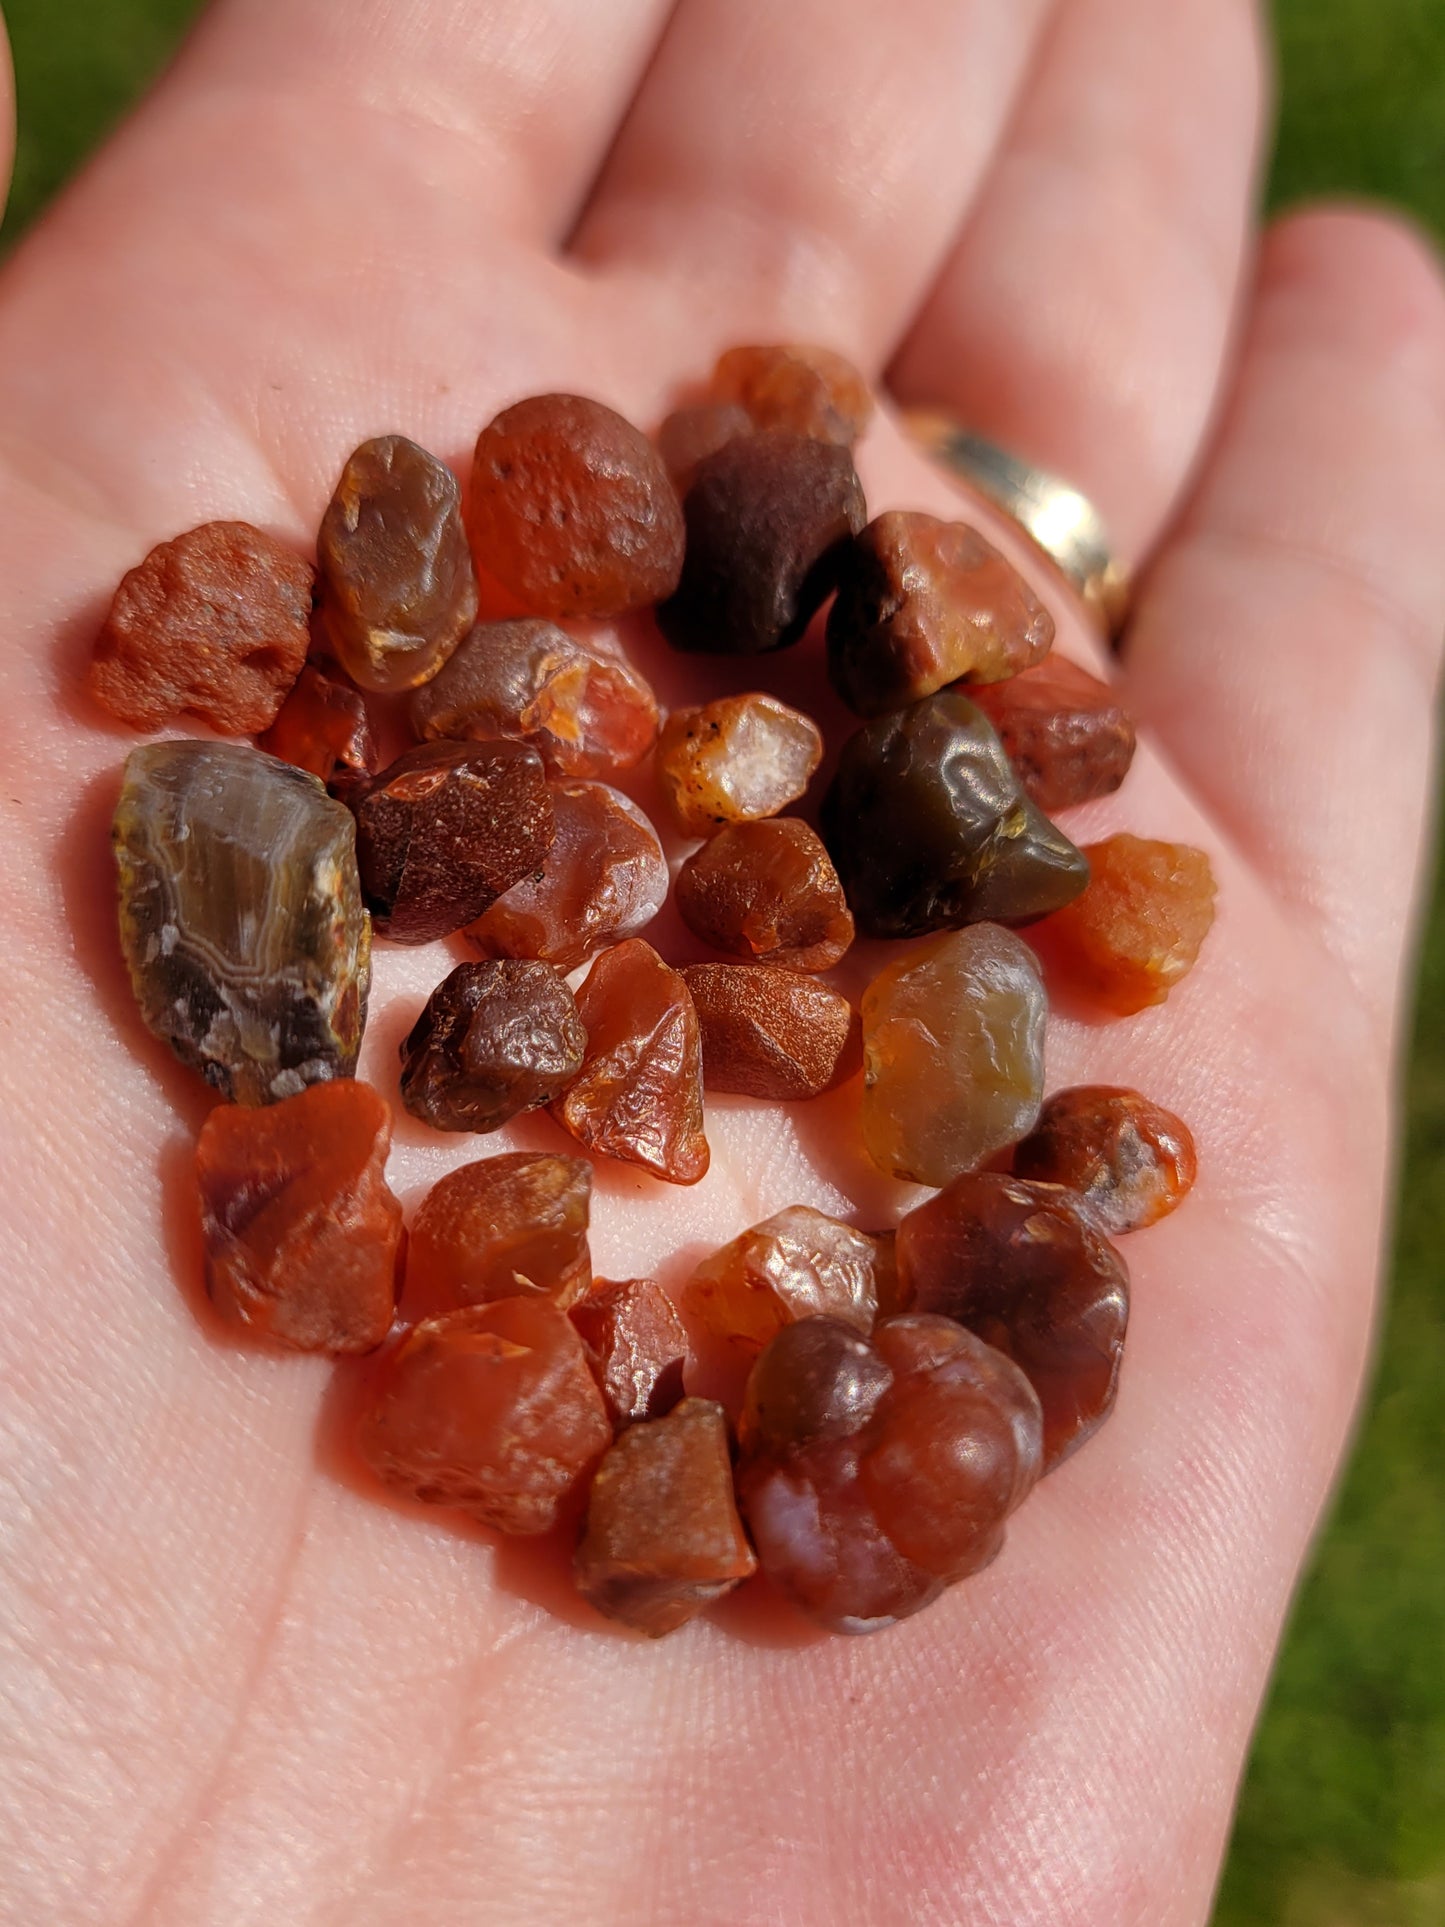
{"x": 1342, "y": 1819}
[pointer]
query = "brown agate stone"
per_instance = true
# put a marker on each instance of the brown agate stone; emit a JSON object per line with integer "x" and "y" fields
{"x": 301, "y": 1229}
{"x": 1066, "y": 734}
{"x": 769, "y": 1032}
{"x": 766, "y": 517}
{"x": 214, "y": 624}
{"x": 798, "y": 1264}
{"x": 572, "y": 511}
{"x": 1139, "y": 926}
{"x": 804, "y": 389}
{"x": 604, "y": 879}
{"x": 639, "y": 1094}
{"x": 445, "y": 830}
{"x": 494, "y": 1040}
{"x": 492, "y": 1409}
{"x": 323, "y": 728}
{"x": 689, "y": 435}
{"x": 663, "y": 1537}
{"x": 734, "y": 760}
{"x": 1130, "y": 1162}
{"x": 584, "y": 714}
{"x": 874, "y": 1473}
{"x": 922, "y": 603}
{"x": 637, "y": 1346}
{"x": 930, "y": 830}
{"x": 502, "y": 1227}
{"x": 767, "y": 892}
{"x": 397, "y": 588}
{"x": 1021, "y": 1265}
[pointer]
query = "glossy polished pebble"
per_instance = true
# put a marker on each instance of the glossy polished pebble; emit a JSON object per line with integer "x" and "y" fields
{"x": 572, "y": 511}
{"x": 213, "y": 624}
{"x": 1129, "y": 1161}
{"x": 766, "y": 517}
{"x": 445, "y": 830}
{"x": 663, "y": 1538}
{"x": 323, "y": 728}
{"x": 241, "y": 919}
{"x": 735, "y": 760}
{"x": 1067, "y": 735}
{"x": 799, "y": 1263}
{"x": 767, "y": 892}
{"x": 301, "y": 1229}
{"x": 604, "y": 879}
{"x": 397, "y": 588}
{"x": 492, "y": 1409}
{"x": 930, "y": 830}
{"x": 953, "y": 1054}
{"x": 769, "y": 1032}
{"x": 689, "y": 435}
{"x": 874, "y": 1473}
{"x": 804, "y": 389}
{"x": 501, "y": 1227}
{"x": 637, "y": 1346}
{"x": 584, "y": 713}
{"x": 922, "y": 603}
{"x": 639, "y": 1094}
{"x": 1020, "y": 1264}
{"x": 494, "y": 1040}
{"x": 1139, "y": 927}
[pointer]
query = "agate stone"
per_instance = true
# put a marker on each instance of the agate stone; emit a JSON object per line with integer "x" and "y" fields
{"x": 1129, "y": 1161}
{"x": 494, "y": 1040}
{"x": 636, "y": 1344}
{"x": 734, "y": 760}
{"x": 501, "y": 1228}
{"x": 799, "y": 1263}
{"x": 768, "y": 1031}
{"x": 241, "y": 917}
{"x": 797, "y": 386}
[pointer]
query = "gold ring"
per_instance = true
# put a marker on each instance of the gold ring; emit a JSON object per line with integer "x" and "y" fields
{"x": 1063, "y": 524}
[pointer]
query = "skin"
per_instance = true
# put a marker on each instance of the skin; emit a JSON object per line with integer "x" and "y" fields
{"x": 236, "y": 1686}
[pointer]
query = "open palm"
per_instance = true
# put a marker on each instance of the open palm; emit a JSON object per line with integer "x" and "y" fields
{"x": 235, "y": 1686}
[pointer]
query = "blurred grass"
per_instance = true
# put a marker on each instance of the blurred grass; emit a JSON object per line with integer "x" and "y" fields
{"x": 1342, "y": 1818}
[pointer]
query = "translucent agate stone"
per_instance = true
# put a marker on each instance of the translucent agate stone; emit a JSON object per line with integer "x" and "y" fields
{"x": 734, "y": 760}
{"x": 953, "y": 1054}
{"x": 500, "y": 1228}
{"x": 663, "y": 1537}
{"x": 302, "y": 1231}
{"x": 806, "y": 389}
{"x": 241, "y": 918}
{"x": 1128, "y": 1160}
{"x": 1139, "y": 927}
{"x": 637, "y": 1346}
{"x": 767, "y": 892}
{"x": 323, "y": 727}
{"x": 799, "y": 1263}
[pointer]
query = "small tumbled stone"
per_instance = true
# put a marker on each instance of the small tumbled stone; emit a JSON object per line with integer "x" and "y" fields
{"x": 604, "y": 879}
{"x": 770, "y": 1032}
{"x": 767, "y": 892}
{"x": 397, "y": 587}
{"x": 492, "y": 1409}
{"x": 638, "y": 1096}
{"x": 766, "y": 517}
{"x": 301, "y": 1229}
{"x": 930, "y": 830}
{"x": 502, "y": 1227}
{"x": 636, "y": 1344}
{"x": 572, "y": 511}
{"x": 1129, "y": 1161}
{"x": 663, "y": 1537}
{"x": 796, "y": 386}
{"x": 800, "y": 1263}
{"x": 241, "y": 918}
{"x": 585, "y": 714}
{"x": 734, "y": 760}
{"x": 689, "y": 435}
{"x": 494, "y": 1040}
{"x": 1067, "y": 735}
{"x": 922, "y": 603}
{"x": 953, "y": 1054}
{"x": 323, "y": 728}
{"x": 1138, "y": 928}
{"x": 215, "y": 624}
{"x": 1022, "y": 1266}
{"x": 445, "y": 830}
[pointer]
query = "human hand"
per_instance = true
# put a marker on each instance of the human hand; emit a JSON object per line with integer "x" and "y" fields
{"x": 237, "y": 1687}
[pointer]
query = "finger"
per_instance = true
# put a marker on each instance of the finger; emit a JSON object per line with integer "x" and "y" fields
{"x": 1287, "y": 648}
{"x": 525, "y": 94}
{"x": 800, "y": 167}
{"x": 1083, "y": 315}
